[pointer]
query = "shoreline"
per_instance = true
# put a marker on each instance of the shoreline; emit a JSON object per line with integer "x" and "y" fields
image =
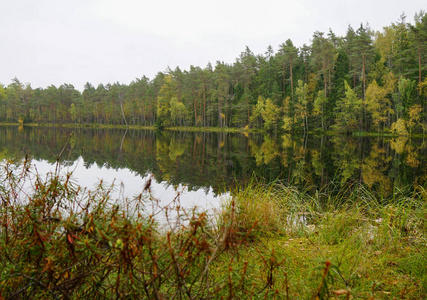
{"x": 216, "y": 129}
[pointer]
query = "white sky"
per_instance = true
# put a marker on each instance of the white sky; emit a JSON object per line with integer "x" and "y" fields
{"x": 47, "y": 42}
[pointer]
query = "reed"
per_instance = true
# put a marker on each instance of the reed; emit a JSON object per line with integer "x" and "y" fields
{"x": 269, "y": 241}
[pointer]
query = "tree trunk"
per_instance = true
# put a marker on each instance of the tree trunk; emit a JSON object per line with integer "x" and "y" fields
{"x": 292, "y": 80}
{"x": 195, "y": 112}
{"x": 284, "y": 80}
{"x": 325, "y": 81}
{"x": 121, "y": 98}
{"x": 364, "y": 91}
{"x": 419, "y": 70}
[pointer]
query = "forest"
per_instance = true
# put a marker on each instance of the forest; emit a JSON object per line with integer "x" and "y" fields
{"x": 364, "y": 81}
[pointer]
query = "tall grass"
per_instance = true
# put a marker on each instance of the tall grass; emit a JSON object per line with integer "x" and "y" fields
{"x": 272, "y": 241}
{"x": 375, "y": 247}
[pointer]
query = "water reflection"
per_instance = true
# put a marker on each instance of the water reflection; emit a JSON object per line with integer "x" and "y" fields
{"x": 214, "y": 162}
{"x": 122, "y": 185}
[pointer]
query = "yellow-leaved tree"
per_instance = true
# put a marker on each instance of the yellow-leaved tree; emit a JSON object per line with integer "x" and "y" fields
{"x": 270, "y": 115}
{"x": 178, "y": 112}
{"x": 399, "y": 127}
{"x": 378, "y": 103}
{"x": 423, "y": 88}
{"x": 288, "y": 116}
{"x": 415, "y": 120}
{"x": 167, "y": 92}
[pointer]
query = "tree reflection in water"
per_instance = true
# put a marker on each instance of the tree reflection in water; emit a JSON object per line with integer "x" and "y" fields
{"x": 216, "y": 162}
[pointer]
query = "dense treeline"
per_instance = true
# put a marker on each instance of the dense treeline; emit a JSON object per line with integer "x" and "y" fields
{"x": 366, "y": 80}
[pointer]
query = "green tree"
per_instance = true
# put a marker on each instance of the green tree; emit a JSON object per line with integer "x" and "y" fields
{"x": 242, "y": 109}
{"x": 319, "y": 107}
{"x": 73, "y": 112}
{"x": 305, "y": 57}
{"x": 348, "y": 111}
{"x": 418, "y": 42}
{"x": 195, "y": 93}
{"x": 142, "y": 106}
{"x": 266, "y": 81}
{"x": 246, "y": 67}
{"x": 3, "y": 96}
{"x": 288, "y": 58}
{"x": 67, "y": 95}
{"x": 341, "y": 74}
{"x": 221, "y": 93}
{"x": 86, "y": 110}
{"x": 401, "y": 47}
{"x": 323, "y": 52}
{"x": 351, "y": 56}
{"x": 19, "y": 96}
{"x": 51, "y": 102}
{"x": 364, "y": 52}
{"x": 405, "y": 97}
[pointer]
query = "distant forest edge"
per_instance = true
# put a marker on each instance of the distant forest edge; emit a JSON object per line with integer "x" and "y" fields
{"x": 365, "y": 81}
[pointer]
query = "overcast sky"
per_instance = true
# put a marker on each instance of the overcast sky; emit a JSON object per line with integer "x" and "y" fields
{"x": 47, "y": 42}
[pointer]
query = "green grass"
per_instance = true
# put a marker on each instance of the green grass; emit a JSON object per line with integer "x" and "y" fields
{"x": 379, "y": 250}
{"x": 111, "y": 126}
{"x": 267, "y": 242}
{"x": 206, "y": 129}
{"x": 81, "y": 125}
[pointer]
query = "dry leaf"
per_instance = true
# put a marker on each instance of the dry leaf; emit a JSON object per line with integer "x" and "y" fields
{"x": 340, "y": 292}
{"x": 70, "y": 239}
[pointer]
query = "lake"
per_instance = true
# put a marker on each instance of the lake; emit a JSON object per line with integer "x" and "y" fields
{"x": 205, "y": 166}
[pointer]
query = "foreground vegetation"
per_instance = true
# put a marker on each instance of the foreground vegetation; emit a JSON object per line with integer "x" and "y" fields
{"x": 269, "y": 241}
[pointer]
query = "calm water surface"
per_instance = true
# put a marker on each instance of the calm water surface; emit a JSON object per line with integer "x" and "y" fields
{"x": 203, "y": 166}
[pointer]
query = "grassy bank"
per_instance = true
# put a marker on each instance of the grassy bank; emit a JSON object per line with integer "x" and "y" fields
{"x": 210, "y": 129}
{"x": 110, "y": 126}
{"x": 375, "y": 249}
{"x": 78, "y": 125}
{"x": 267, "y": 242}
